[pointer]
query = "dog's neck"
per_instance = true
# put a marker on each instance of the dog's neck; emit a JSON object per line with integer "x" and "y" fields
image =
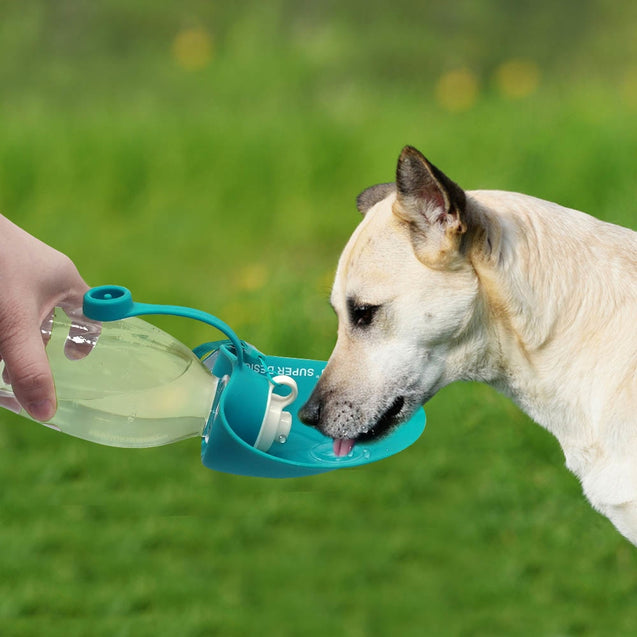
{"x": 541, "y": 282}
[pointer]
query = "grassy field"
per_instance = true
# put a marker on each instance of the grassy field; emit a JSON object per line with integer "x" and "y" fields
{"x": 209, "y": 156}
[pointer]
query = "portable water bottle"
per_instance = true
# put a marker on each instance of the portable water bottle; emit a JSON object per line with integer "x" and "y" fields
{"x": 134, "y": 385}
{"x": 137, "y": 386}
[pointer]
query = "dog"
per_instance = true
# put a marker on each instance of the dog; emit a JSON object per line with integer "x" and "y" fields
{"x": 539, "y": 301}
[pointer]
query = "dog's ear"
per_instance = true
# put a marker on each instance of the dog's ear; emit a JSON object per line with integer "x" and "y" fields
{"x": 372, "y": 195}
{"x": 434, "y": 208}
{"x": 426, "y": 195}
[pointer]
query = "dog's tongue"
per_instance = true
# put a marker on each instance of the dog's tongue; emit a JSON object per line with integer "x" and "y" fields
{"x": 342, "y": 447}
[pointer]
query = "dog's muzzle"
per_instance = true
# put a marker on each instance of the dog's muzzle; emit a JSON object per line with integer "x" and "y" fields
{"x": 313, "y": 414}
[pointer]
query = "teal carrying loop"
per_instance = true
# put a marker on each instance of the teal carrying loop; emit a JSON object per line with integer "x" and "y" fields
{"x": 114, "y": 302}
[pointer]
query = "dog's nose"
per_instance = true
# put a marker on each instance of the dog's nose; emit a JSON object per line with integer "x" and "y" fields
{"x": 310, "y": 413}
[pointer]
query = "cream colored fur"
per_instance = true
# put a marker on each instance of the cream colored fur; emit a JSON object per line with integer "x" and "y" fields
{"x": 537, "y": 300}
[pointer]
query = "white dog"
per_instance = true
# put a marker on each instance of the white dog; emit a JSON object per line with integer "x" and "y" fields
{"x": 539, "y": 301}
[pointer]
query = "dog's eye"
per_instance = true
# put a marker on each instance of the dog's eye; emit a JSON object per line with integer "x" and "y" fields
{"x": 362, "y": 315}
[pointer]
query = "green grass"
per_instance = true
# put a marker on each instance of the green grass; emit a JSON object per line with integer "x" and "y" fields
{"x": 232, "y": 189}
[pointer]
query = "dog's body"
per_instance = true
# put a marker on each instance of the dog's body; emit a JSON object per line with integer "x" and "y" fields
{"x": 539, "y": 301}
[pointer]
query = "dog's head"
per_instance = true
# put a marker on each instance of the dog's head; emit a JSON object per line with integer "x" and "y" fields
{"x": 406, "y": 297}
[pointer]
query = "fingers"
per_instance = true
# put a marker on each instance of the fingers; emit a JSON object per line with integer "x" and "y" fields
{"x": 36, "y": 278}
{"x": 26, "y": 367}
{"x": 29, "y": 373}
{"x": 63, "y": 287}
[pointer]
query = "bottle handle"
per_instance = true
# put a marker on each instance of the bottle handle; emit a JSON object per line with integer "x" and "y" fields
{"x": 114, "y": 302}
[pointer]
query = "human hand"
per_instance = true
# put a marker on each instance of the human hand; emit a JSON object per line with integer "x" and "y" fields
{"x": 34, "y": 279}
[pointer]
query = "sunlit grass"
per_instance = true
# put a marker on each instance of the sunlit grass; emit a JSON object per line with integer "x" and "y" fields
{"x": 225, "y": 179}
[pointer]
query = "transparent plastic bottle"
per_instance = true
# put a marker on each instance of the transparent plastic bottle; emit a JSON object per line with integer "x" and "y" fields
{"x": 136, "y": 387}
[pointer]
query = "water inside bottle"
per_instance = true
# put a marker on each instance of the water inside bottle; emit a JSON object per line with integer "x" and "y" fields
{"x": 143, "y": 418}
{"x": 139, "y": 387}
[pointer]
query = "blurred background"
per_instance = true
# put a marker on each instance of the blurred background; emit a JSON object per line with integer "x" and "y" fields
{"x": 209, "y": 154}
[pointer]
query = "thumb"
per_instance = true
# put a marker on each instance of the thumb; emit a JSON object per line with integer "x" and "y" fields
{"x": 29, "y": 372}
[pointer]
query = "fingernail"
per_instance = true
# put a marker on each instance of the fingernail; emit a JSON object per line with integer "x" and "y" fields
{"x": 41, "y": 409}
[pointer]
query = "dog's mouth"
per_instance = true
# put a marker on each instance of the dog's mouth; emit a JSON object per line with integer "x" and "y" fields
{"x": 388, "y": 419}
